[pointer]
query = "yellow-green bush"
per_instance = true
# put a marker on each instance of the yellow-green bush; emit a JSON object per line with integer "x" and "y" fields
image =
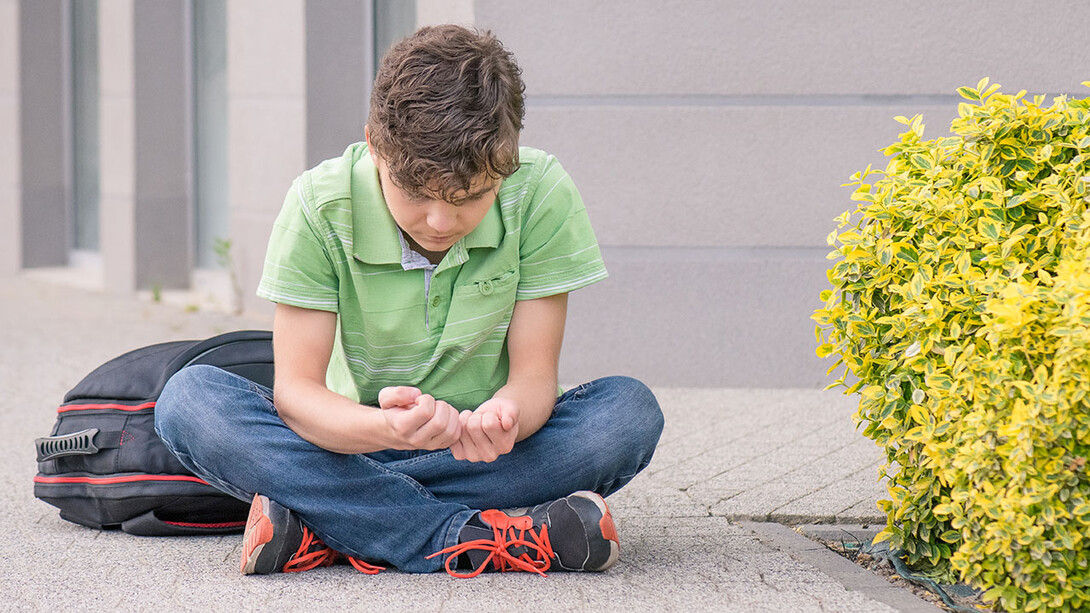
{"x": 960, "y": 313}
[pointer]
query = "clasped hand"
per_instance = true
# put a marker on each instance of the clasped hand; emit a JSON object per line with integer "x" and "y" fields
{"x": 419, "y": 421}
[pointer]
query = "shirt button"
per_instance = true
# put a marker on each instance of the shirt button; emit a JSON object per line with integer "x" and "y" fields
{"x": 435, "y": 301}
{"x": 486, "y": 287}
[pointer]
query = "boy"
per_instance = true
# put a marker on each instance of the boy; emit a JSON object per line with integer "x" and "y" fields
{"x": 421, "y": 282}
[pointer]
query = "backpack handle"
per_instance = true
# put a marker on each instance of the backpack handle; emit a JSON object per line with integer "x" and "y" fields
{"x": 84, "y": 442}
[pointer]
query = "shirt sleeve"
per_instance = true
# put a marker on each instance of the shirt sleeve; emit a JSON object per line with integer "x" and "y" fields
{"x": 298, "y": 270}
{"x": 558, "y": 251}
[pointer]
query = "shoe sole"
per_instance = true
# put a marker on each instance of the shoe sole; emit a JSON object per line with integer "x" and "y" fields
{"x": 259, "y": 531}
{"x": 608, "y": 528}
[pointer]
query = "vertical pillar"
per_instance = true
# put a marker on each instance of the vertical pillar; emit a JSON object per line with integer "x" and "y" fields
{"x": 117, "y": 146}
{"x": 44, "y": 125}
{"x": 267, "y": 109}
{"x": 146, "y": 160}
{"x": 163, "y": 158}
{"x": 11, "y": 239}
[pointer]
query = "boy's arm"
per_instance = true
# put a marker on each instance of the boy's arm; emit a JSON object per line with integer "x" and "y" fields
{"x": 525, "y": 403}
{"x": 302, "y": 345}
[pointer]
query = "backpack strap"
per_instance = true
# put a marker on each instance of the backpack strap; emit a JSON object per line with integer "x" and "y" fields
{"x": 84, "y": 442}
{"x": 149, "y": 524}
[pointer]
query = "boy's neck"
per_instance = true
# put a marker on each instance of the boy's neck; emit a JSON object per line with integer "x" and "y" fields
{"x": 432, "y": 256}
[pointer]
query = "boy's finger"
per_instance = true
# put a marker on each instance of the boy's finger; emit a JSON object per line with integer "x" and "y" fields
{"x": 481, "y": 441}
{"x": 457, "y": 450}
{"x": 503, "y": 438}
{"x": 509, "y": 417}
{"x": 454, "y": 430}
{"x": 421, "y": 412}
{"x": 446, "y": 416}
{"x": 397, "y": 396}
{"x": 468, "y": 447}
{"x": 491, "y": 426}
{"x": 506, "y": 422}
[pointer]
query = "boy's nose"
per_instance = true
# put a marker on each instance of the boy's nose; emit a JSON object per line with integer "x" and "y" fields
{"x": 441, "y": 221}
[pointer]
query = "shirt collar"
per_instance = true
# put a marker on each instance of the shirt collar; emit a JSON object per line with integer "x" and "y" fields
{"x": 489, "y": 232}
{"x": 376, "y": 239}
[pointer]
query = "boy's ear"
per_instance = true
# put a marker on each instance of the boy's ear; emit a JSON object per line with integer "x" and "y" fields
{"x": 370, "y": 149}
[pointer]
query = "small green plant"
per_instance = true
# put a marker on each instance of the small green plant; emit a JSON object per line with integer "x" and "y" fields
{"x": 222, "y": 249}
{"x": 960, "y": 314}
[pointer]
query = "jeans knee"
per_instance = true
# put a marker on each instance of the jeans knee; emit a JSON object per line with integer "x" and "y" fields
{"x": 187, "y": 402}
{"x": 624, "y": 420}
{"x": 621, "y": 426}
{"x": 640, "y": 411}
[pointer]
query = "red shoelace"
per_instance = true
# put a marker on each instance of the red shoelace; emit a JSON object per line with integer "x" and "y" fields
{"x": 313, "y": 553}
{"x": 504, "y": 537}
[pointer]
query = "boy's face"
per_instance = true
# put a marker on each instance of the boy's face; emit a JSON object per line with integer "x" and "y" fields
{"x": 432, "y": 224}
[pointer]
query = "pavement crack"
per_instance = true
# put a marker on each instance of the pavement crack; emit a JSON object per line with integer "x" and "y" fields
{"x": 444, "y": 601}
{"x": 707, "y": 507}
{"x": 765, "y": 581}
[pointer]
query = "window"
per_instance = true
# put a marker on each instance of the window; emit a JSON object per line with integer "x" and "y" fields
{"x": 394, "y": 20}
{"x": 84, "y": 150}
{"x": 210, "y": 193}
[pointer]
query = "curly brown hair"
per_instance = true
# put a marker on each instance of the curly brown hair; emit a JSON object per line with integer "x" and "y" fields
{"x": 446, "y": 110}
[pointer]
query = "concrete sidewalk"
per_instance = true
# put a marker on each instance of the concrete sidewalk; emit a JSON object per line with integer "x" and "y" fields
{"x": 691, "y": 528}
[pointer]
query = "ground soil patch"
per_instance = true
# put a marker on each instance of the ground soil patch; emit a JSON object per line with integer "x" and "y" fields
{"x": 854, "y": 543}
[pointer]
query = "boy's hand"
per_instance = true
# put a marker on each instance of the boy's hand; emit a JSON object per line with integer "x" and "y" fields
{"x": 418, "y": 421}
{"x": 488, "y": 432}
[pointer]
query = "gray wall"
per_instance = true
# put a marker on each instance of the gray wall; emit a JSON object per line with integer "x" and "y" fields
{"x": 709, "y": 140}
{"x": 11, "y": 235}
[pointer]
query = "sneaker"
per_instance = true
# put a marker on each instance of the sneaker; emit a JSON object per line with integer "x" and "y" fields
{"x": 276, "y": 541}
{"x": 574, "y": 533}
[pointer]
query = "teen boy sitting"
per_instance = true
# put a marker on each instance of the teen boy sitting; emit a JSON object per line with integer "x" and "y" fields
{"x": 421, "y": 285}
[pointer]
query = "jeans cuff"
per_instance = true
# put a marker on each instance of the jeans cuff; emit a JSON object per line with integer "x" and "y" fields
{"x": 450, "y": 539}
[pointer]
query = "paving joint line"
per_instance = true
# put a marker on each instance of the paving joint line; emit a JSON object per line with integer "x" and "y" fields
{"x": 752, "y": 458}
{"x": 823, "y": 487}
{"x": 772, "y": 480}
{"x": 719, "y": 444}
{"x": 848, "y": 574}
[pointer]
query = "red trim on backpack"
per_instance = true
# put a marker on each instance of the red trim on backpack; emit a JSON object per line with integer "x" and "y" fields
{"x": 114, "y": 480}
{"x": 64, "y": 408}
{"x": 189, "y": 524}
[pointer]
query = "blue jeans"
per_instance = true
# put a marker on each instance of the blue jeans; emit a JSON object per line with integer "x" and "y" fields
{"x": 399, "y": 506}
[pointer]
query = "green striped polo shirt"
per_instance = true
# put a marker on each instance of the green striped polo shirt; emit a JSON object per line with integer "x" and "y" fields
{"x": 402, "y": 321}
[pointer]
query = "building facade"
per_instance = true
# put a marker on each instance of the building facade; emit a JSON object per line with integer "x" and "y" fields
{"x": 147, "y": 146}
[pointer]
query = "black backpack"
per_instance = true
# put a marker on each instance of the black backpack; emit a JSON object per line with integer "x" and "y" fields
{"x": 105, "y": 467}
